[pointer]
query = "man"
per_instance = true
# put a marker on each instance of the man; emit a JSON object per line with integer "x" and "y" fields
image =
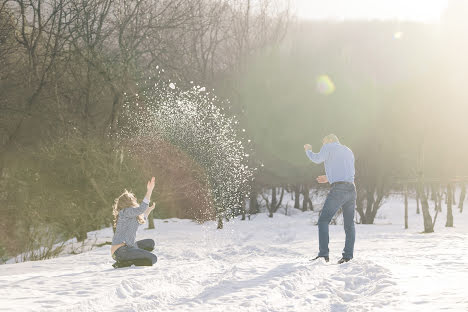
{"x": 339, "y": 169}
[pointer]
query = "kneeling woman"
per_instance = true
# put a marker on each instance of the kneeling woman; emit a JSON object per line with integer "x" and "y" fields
{"x": 128, "y": 215}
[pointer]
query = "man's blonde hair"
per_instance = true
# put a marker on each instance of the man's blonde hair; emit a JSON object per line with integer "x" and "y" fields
{"x": 331, "y": 138}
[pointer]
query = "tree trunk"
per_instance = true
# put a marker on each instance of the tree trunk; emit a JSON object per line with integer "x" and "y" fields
{"x": 115, "y": 112}
{"x": 278, "y": 204}
{"x": 310, "y": 204}
{"x": 428, "y": 225}
{"x": 220, "y": 223}
{"x": 433, "y": 192}
{"x": 370, "y": 199}
{"x": 406, "y": 207}
{"x": 297, "y": 194}
{"x": 462, "y": 197}
{"x": 270, "y": 209}
{"x": 439, "y": 202}
{"x": 453, "y": 196}
{"x": 242, "y": 199}
{"x": 360, "y": 206}
{"x": 253, "y": 204}
{"x": 273, "y": 197}
{"x": 417, "y": 202}
{"x": 82, "y": 234}
{"x": 306, "y": 200}
{"x": 449, "y": 222}
{"x": 151, "y": 220}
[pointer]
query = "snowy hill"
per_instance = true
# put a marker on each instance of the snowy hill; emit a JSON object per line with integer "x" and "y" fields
{"x": 257, "y": 265}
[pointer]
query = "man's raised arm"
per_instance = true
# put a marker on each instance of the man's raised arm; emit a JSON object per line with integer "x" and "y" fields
{"x": 319, "y": 157}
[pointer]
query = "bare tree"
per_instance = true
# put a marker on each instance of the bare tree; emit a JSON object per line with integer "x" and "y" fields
{"x": 7, "y": 42}
{"x": 256, "y": 25}
{"x": 297, "y": 194}
{"x": 306, "y": 202}
{"x": 462, "y": 197}
{"x": 449, "y": 222}
{"x": 207, "y": 30}
{"x": 40, "y": 32}
{"x": 374, "y": 195}
{"x": 428, "y": 221}
{"x": 406, "y": 206}
{"x": 117, "y": 40}
{"x": 275, "y": 204}
{"x": 253, "y": 203}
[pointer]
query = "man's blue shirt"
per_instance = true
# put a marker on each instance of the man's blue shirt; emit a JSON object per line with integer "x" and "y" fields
{"x": 339, "y": 162}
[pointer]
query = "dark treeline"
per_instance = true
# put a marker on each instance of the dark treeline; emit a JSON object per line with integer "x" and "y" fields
{"x": 399, "y": 102}
{"x": 66, "y": 67}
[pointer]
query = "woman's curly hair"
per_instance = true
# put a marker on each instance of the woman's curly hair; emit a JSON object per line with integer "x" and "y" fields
{"x": 125, "y": 200}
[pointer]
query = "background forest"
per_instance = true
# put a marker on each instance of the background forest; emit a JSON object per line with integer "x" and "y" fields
{"x": 393, "y": 91}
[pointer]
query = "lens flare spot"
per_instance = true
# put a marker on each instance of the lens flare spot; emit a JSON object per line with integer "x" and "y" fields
{"x": 398, "y": 35}
{"x": 325, "y": 85}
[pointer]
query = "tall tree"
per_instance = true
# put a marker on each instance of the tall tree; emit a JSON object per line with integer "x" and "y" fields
{"x": 449, "y": 222}
{"x": 462, "y": 197}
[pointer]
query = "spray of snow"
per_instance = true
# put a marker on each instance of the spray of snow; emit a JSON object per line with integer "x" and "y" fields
{"x": 193, "y": 120}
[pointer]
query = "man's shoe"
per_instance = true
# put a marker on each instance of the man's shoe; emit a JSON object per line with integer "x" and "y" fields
{"x": 318, "y": 257}
{"x": 343, "y": 260}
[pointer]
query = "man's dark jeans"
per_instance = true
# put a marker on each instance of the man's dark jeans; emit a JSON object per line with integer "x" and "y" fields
{"x": 139, "y": 256}
{"x": 340, "y": 195}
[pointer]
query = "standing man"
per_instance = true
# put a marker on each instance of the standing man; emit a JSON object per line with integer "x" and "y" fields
{"x": 339, "y": 169}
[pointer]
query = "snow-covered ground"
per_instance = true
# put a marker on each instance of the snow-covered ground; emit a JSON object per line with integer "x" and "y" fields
{"x": 258, "y": 265}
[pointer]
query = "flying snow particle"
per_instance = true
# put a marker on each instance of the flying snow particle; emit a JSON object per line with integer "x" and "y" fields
{"x": 172, "y": 86}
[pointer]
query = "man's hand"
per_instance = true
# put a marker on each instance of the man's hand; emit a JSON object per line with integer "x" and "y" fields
{"x": 322, "y": 179}
{"x": 308, "y": 147}
{"x": 150, "y": 185}
{"x": 152, "y": 206}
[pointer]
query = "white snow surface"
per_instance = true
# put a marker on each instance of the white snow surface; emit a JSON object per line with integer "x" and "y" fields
{"x": 258, "y": 265}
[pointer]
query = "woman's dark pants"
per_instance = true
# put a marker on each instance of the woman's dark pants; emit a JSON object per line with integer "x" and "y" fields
{"x": 141, "y": 256}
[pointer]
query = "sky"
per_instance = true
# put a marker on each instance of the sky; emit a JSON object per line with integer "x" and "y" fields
{"x": 412, "y": 10}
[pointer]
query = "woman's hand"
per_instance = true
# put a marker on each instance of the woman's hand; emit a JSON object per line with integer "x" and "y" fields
{"x": 149, "y": 209}
{"x": 150, "y": 185}
{"x": 141, "y": 219}
{"x": 149, "y": 189}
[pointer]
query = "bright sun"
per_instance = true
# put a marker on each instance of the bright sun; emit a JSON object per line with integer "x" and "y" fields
{"x": 413, "y": 10}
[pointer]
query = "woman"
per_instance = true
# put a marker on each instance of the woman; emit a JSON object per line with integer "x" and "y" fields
{"x": 128, "y": 215}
